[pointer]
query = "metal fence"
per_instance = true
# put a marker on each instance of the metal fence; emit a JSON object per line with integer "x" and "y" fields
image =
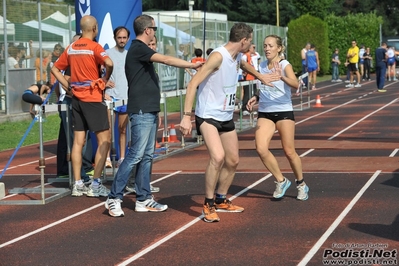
{"x": 32, "y": 32}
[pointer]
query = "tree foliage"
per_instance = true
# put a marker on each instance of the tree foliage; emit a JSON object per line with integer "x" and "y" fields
{"x": 308, "y": 29}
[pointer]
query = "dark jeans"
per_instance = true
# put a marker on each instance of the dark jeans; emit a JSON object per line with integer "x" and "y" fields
{"x": 366, "y": 72}
{"x": 380, "y": 71}
{"x": 62, "y": 149}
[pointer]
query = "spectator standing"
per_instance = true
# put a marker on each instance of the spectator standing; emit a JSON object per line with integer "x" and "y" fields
{"x": 276, "y": 113}
{"x": 353, "y": 58}
{"x": 362, "y": 50}
{"x": 41, "y": 67}
{"x": 214, "y": 119}
{"x": 89, "y": 112}
{"x": 391, "y": 64}
{"x": 303, "y": 56}
{"x": 24, "y": 56}
{"x": 58, "y": 49}
{"x": 143, "y": 108}
{"x": 381, "y": 58}
{"x": 248, "y": 90}
{"x": 118, "y": 88}
{"x": 335, "y": 62}
{"x": 367, "y": 58}
{"x": 13, "y": 57}
{"x": 198, "y": 58}
{"x": 312, "y": 65}
{"x": 255, "y": 57}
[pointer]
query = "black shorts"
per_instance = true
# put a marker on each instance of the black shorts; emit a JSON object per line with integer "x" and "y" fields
{"x": 353, "y": 67}
{"x": 277, "y": 116}
{"x": 89, "y": 116}
{"x": 225, "y": 126}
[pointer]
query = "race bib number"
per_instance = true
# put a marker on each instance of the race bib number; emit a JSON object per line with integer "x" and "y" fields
{"x": 229, "y": 102}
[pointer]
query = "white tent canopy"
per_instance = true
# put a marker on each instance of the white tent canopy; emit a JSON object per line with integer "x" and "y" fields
{"x": 172, "y": 32}
{"x": 52, "y": 29}
{"x": 10, "y": 27}
{"x": 60, "y": 17}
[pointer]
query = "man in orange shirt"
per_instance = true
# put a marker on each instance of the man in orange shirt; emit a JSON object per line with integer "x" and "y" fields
{"x": 85, "y": 58}
{"x": 198, "y": 58}
{"x": 246, "y": 89}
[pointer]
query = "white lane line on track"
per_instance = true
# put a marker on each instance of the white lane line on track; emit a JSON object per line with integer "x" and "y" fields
{"x": 360, "y": 120}
{"x": 395, "y": 151}
{"x": 28, "y": 163}
{"x": 306, "y": 153}
{"x": 337, "y": 221}
{"x": 184, "y": 227}
{"x": 71, "y": 216}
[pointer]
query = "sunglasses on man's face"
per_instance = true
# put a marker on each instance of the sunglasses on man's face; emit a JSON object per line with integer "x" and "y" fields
{"x": 154, "y": 28}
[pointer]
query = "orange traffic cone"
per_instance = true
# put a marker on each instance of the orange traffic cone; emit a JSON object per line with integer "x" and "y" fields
{"x": 318, "y": 102}
{"x": 157, "y": 145}
{"x": 172, "y": 134}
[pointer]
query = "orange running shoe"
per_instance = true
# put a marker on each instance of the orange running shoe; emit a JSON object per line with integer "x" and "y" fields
{"x": 210, "y": 214}
{"x": 228, "y": 206}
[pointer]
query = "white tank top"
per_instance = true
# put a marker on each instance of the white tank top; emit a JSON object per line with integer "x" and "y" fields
{"x": 278, "y": 97}
{"x": 217, "y": 93}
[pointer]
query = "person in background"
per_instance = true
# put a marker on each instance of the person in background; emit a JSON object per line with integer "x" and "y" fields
{"x": 275, "y": 112}
{"x": 209, "y": 51}
{"x": 335, "y": 62}
{"x": 35, "y": 94}
{"x": 361, "y": 60}
{"x": 353, "y": 58}
{"x": 24, "y": 56}
{"x": 13, "y": 57}
{"x": 198, "y": 58}
{"x": 391, "y": 64}
{"x": 381, "y": 57}
{"x": 41, "y": 67}
{"x": 312, "y": 65}
{"x": 118, "y": 88}
{"x": 57, "y": 51}
{"x": 303, "y": 56}
{"x": 248, "y": 90}
{"x": 367, "y": 59}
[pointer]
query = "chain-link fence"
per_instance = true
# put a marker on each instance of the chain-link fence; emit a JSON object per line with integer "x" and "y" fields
{"x": 33, "y": 34}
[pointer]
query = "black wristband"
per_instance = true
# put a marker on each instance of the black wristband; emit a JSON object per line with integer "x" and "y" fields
{"x": 257, "y": 97}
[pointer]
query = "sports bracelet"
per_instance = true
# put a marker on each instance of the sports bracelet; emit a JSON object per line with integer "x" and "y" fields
{"x": 187, "y": 113}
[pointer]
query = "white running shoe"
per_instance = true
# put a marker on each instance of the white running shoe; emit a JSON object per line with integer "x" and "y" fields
{"x": 114, "y": 207}
{"x": 358, "y": 85}
{"x": 303, "y": 190}
{"x": 281, "y": 188}
{"x": 78, "y": 191}
{"x": 98, "y": 191}
{"x": 150, "y": 205}
{"x": 349, "y": 85}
